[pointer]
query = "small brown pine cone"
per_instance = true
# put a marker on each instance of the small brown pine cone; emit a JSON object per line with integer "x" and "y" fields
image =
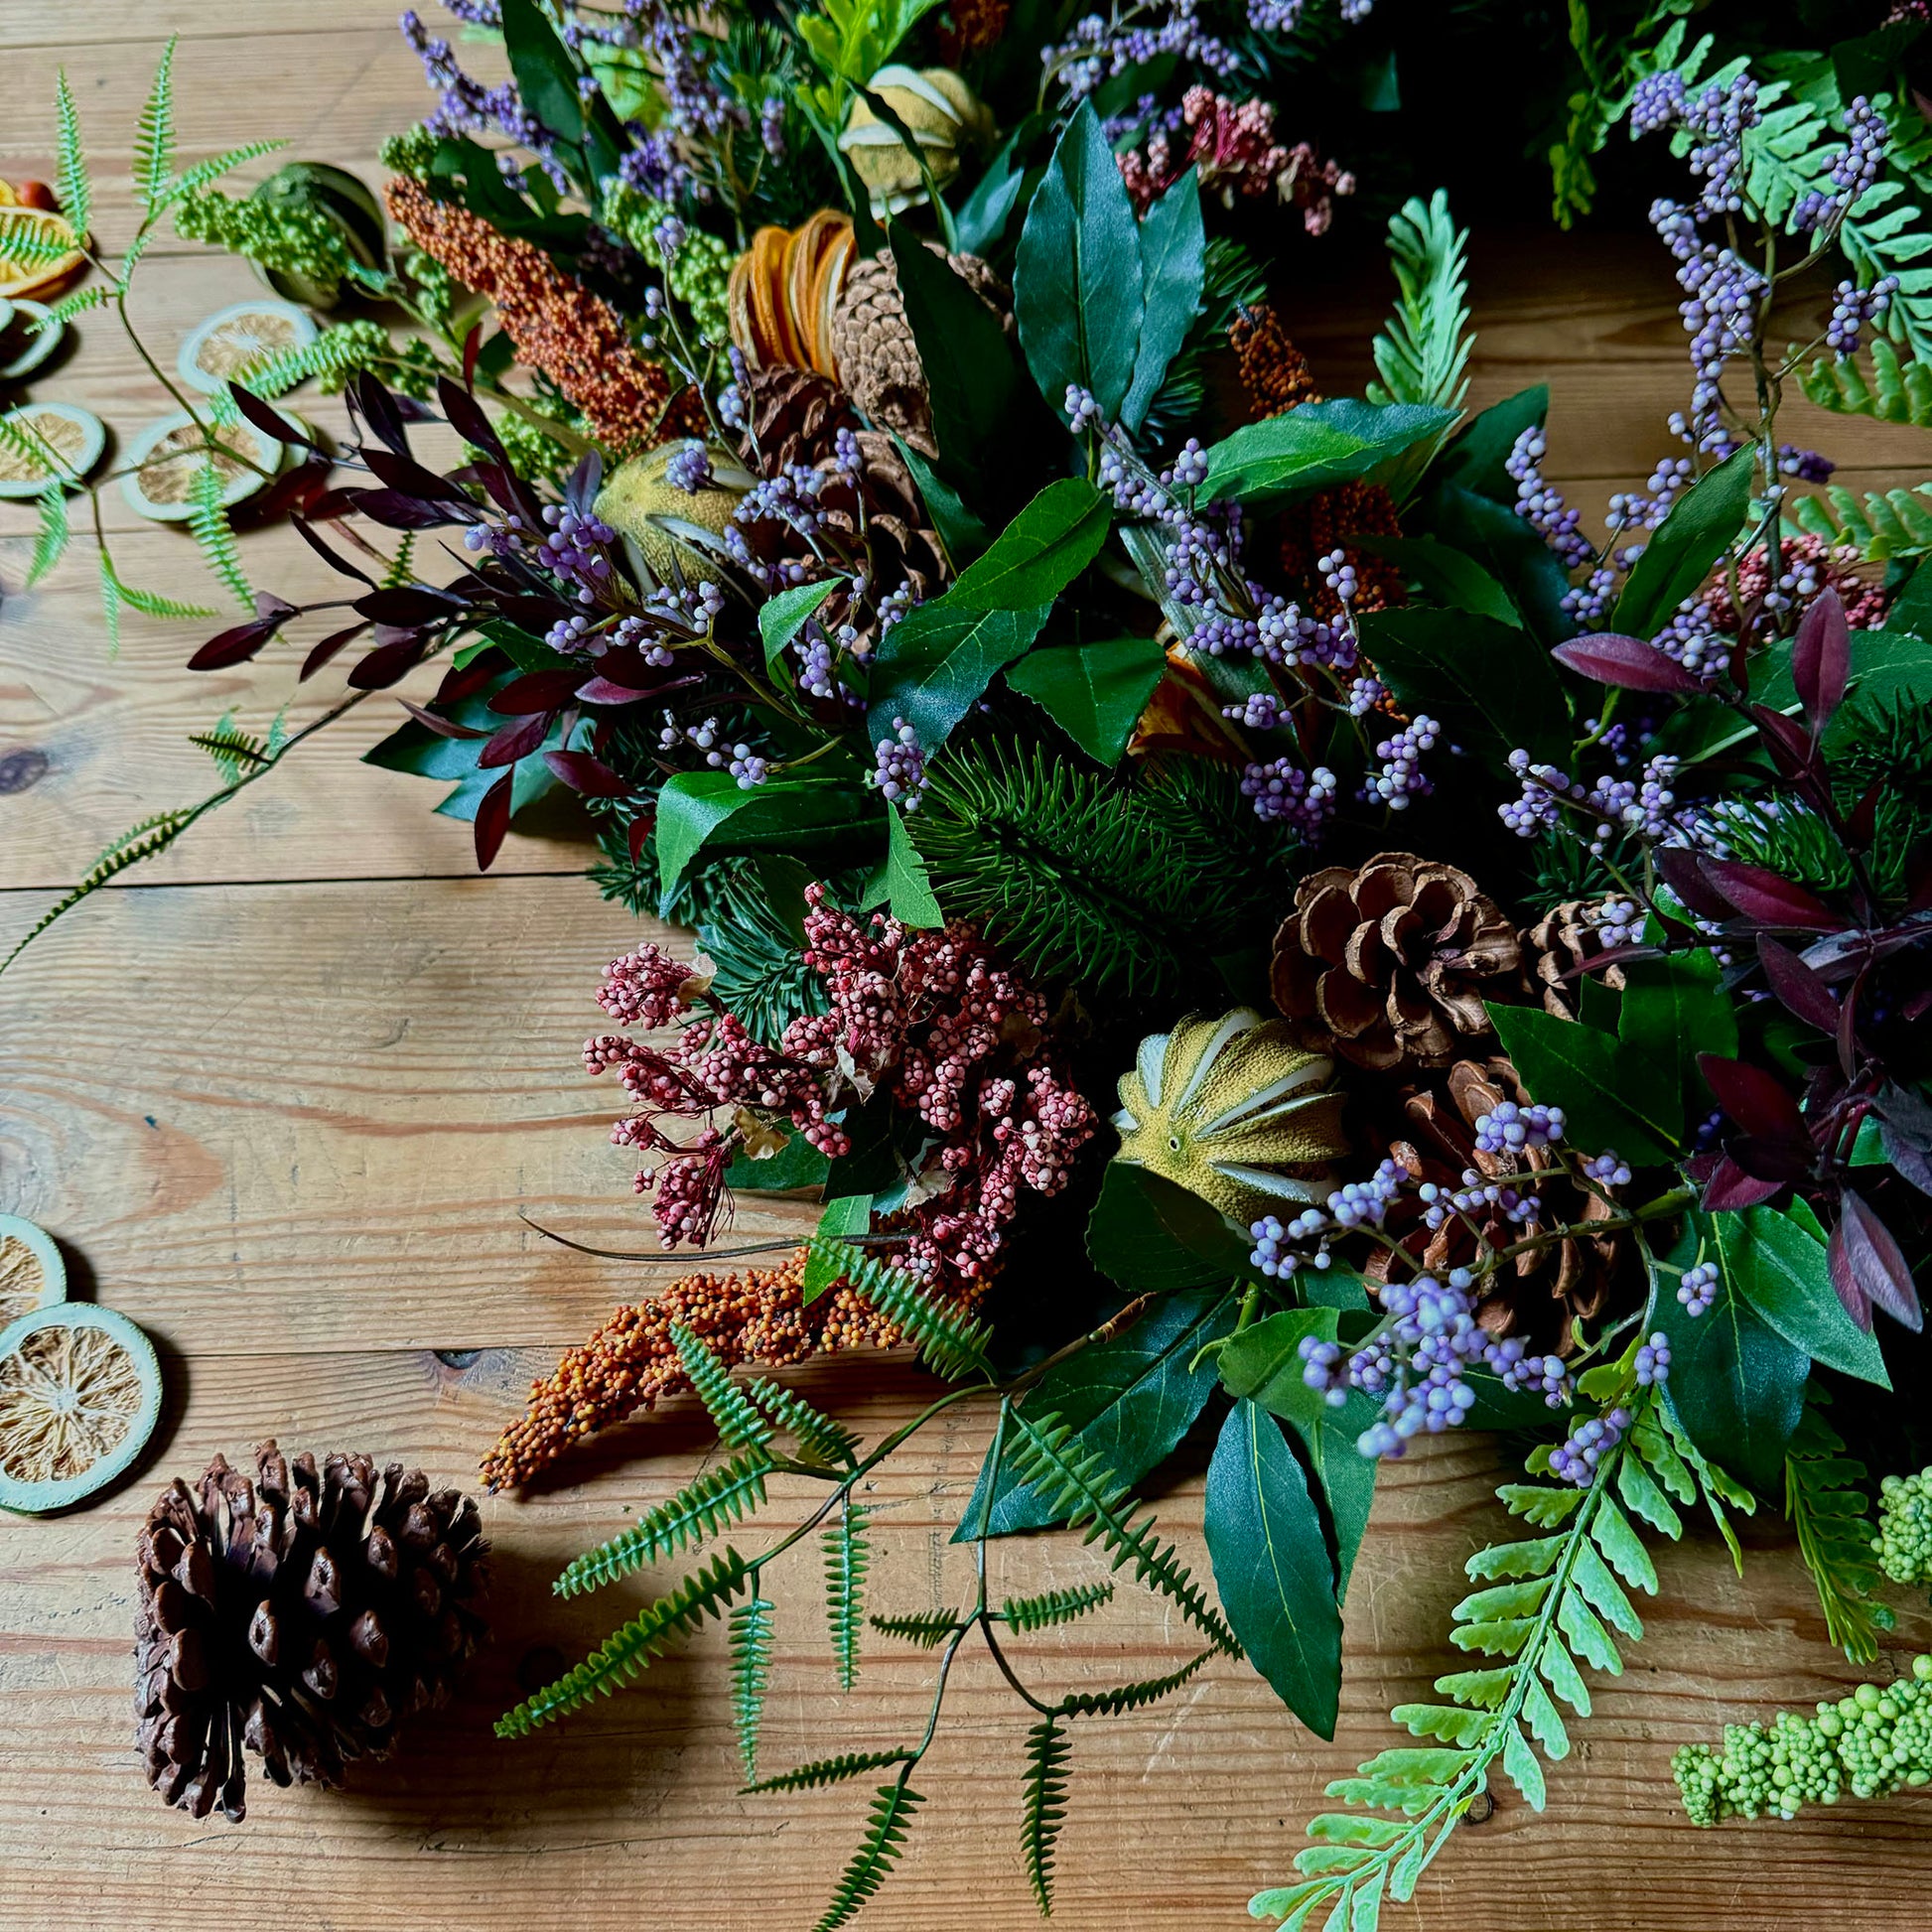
{"x": 1556, "y": 947}
{"x": 302, "y": 1616}
{"x": 1389, "y": 966}
{"x": 878, "y": 359}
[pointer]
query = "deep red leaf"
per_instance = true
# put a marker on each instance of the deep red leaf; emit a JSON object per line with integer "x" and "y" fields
{"x": 1755, "y": 1100}
{"x": 327, "y": 649}
{"x": 1821, "y": 658}
{"x": 1801, "y": 989}
{"x": 536, "y": 691}
{"x": 461, "y": 681}
{"x": 1863, "y": 1248}
{"x": 1765, "y": 899}
{"x": 1863, "y": 821}
{"x": 1730, "y": 1187}
{"x": 600, "y": 690}
{"x": 389, "y": 661}
{"x": 405, "y": 606}
{"x": 405, "y": 473}
{"x": 271, "y": 422}
{"x": 581, "y": 773}
{"x": 236, "y": 645}
{"x": 328, "y": 555}
{"x": 472, "y": 348}
{"x": 441, "y": 727}
{"x": 1775, "y": 1162}
{"x": 1628, "y": 661}
{"x": 467, "y": 417}
{"x": 379, "y": 410}
{"x": 395, "y": 512}
{"x": 331, "y": 505}
{"x": 1844, "y": 1278}
{"x": 516, "y": 741}
{"x": 493, "y": 820}
{"x": 533, "y": 614}
{"x": 639, "y": 836}
{"x": 1679, "y": 866}
{"x": 1793, "y": 750}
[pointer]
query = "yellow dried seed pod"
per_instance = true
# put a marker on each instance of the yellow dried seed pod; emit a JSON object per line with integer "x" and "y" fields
{"x": 940, "y": 112}
{"x": 1234, "y": 1111}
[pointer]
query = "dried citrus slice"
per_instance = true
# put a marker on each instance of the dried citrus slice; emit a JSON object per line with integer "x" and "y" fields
{"x": 227, "y": 346}
{"x": 165, "y": 457}
{"x": 32, "y": 1273}
{"x": 79, "y": 1393}
{"x": 38, "y": 249}
{"x": 73, "y": 436}
{"x": 24, "y": 343}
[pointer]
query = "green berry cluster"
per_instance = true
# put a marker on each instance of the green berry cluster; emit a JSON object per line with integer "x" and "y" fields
{"x": 1905, "y": 1539}
{"x": 700, "y": 271}
{"x": 410, "y": 152}
{"x": 281, "y": 236}
{"x": 1871, "y": 1744}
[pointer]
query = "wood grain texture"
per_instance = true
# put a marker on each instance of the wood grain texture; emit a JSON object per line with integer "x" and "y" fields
{"x": 283, "y": 1095}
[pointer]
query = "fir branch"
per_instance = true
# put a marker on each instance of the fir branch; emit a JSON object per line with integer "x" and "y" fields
{"x": 1827, "y": 1510}
{"x": 625, "y": 1653}
{"x": 952, "y": 1342}
{"x": 740, "y": 1424}
{"x": 831, "y": 1770}
{"x": 720, "y": 1497}
{"x": 215, "y": 535}
{"x": 750, "y": 1650}
{"x": 884, "y": 1839}
{"x": 1085, "y": 1491}
{"x": 1044, "y": 1808}
{"x": 927, "y": 1629}
{"x": 154, "y": 137}
{"x": 71, "y": 183}
{"x": 848, "y": 1556}
{"x": 1053, "y": 1606}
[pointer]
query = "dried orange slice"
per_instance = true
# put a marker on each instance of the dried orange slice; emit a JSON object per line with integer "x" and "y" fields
{"x": 79, "y": 1394}
{"x": 38, "y": 250}
{"x": 32, "y": 1273}
{"x": 227, "y": 346}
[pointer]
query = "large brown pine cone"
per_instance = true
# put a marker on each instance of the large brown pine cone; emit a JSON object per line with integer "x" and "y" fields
{"x": 303, "y": 1615}
{"x": 1542, "y": 1293}
{"x": 1389, "y": 966}
{"x": 795, "y": 418}
{"x": 1564, "y": 938}
{"x": 872, "y": 342}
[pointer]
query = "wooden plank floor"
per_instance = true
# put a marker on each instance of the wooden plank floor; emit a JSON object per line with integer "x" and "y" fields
{"x": 281, "y": 1095}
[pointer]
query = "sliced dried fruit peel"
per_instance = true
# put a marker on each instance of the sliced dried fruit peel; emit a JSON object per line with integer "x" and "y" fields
{"x": 160, "y": 480}
{"x": 24, "y": 346}
{"x": 76, "y": 436}
{"x": 227, "y": 346}
{"x": 49, "y": 251}
{"x": 79, "y": 1395}
{"x": 32, "y": 1273}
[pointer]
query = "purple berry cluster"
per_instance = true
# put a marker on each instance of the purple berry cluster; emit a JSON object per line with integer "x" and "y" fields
{"x": 899, "y": 772}
{"x": 1510, "y": 1129}
{"x": 744, "y": 763}
{"x": 1699, "y": 1288}
{"x": 1540, "y": 503}
{"x": 1576, "y": 1459}
{"x": 1283, "y": 793}
{"x": 1653, "y": 1362}
{"x": 1401, "y": 776}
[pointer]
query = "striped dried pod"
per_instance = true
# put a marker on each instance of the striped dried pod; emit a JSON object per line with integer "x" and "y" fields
{"x": 301, "y": 1615}
{"x": 784, "y": 290}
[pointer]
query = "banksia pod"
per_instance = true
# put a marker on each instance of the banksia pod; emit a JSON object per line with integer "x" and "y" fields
{"x": 631, "y": 1362}
{"x": 558, "y": 325}
{"x": 303, "y": 1615}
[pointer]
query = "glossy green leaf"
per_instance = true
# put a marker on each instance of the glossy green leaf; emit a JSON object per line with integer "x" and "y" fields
{"x": 1129, "y": 1400}
{"x": 1077, "y": 281}
{"x": 1039, "y": 553}
{"x": 1513, "y": 553}
{"x": 1173, "y": 253}
{"x": 907, "y": 884}
{"x": 1672, "y": 1010}
{"x": 546, "y": 76}
{"x": 1095, "y": 693}
{"x": 1701, "y": 526}
{"x": 1272, "y": 1566}
{"x": 1608, "y": 1099}
{"x": 798, "y": 1164}
{"x": 1491, "y": 685}
{"x": 1475, "y": 459}
{"x": 782, "y": 617}
{"x": 696, "y": 809}
{"x": 1315, "y": 447}
{"x": 971, "y": 375}
{"x": 935, "y": 663}
{"x": 1148, "y": 1234}
{"x": 1779, "y": 1268}
{"x": 846, "y": 1215}
{"x": 1443, "y": 575}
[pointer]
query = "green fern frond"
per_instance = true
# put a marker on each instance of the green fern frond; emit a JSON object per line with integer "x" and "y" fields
{"x": 740, "y": 1426}
{"x": 154, "y": 138}
{"x": 1828, "y": 1509}
{"x": 818, "y": 1436}
{"x": 848, "y": 1556}
{"x": 625, "y": 1653}
{"x": 402, "y": 566}
{"x": 112, "y": 600}
{"x": 215, "y": 534}
{"x": 147, "y": 840}
{"x": 884, "y": 1839}
{"x": 330, "y": 359}
{"x": 831, "y": 1770}
{"x": 1901, "y": 391}
{"x": 1422, "y": 352}
{"x": 952, "y": 1342}
{"x": 1129, "y": 1696}
{"x": 151, "y": 604}
{"x": 1083, "y": 1490}
{"x": 51, "y": 540}
{"x": 1044, "y": 1807}
{"x": 751, "y": 1648}
{"x": 74, "y": 188}
{"x": 26, "y": 443}
{"x": 1053, "y": 1606}
{"x": 929, "y": 1629}
{"x": 1892, "y": 523}
{"x": 200, "y": 173}
{"x": 719, "y": 1497}
{"x": 235, "y": 752}
{"x": 27, "y": 239}
{"x": 96, "y": 295}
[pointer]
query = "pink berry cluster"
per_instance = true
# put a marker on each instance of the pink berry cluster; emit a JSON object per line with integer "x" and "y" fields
{"x": 1233, "y": 145}
{"x": 953, "y": 1035}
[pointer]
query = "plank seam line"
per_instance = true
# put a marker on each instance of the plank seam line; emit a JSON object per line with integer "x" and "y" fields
{"x": 347, "y": 879}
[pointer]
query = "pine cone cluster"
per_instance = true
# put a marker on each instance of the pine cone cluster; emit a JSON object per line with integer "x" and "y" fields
{"x": 1389, "y": 966}
{"x": 1566, "y": 940}
{"x": 872, "y": 342}
{"x": 792, "y": 419}
{"x": 301, "y": 1615}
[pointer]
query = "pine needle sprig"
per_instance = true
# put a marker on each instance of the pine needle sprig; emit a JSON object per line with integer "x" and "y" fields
{"x": 848, "y": 1556}
{"x": 884, "y": 1839}
{"x": 1829, "y": 1511}
{"x": 751, "y": 1653}
{"x": 720, "y": 1497}
{"x": 703, "y": 1595}
{"x": 1053, "y": 1606}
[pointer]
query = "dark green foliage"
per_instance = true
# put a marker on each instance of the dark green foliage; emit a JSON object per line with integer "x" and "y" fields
{"x": 751, "y": 1648}
{"x": 1826, "y": 1506}
{"x": 884, "y": 1839}
{"x": 927, "y": 1629}
{"x": 740, "y": 1424}
{"x": 1045, "y": 1805}
{"x": 848, "y": 1556}
{"x": 830, "y": 1770}
{"x": 1127, "y": 887}
{"x": 1129, "y": 1696}
{"x": 720, "y": 1496}
{"x": 953, "y": 1344}
{"x": 1054, "y": 1607}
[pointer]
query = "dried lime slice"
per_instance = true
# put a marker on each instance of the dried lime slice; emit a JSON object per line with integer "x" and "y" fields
{"x": 79, "y": 1393}
{"x": 32, "y": 1273}
{"x": 160, "y": 479}
{"x": 24, "y": 343}
{"x": 227, "y": 346}
{"x": 74, "y": 436}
